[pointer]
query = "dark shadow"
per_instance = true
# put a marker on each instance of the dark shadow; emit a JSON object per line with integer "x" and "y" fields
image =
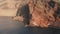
{"x": 24, "y": 11}
{"x": 51, "y": 3}
{"x": 57, "y": 12}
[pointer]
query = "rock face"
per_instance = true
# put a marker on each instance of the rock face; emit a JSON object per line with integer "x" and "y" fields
{"x": 43, "y": 12}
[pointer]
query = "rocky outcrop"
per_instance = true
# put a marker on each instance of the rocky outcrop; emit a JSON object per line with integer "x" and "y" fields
{"x": 43, "y": 13}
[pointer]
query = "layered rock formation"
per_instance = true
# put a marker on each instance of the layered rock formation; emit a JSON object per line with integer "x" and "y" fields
{"x": 43, "y": 12}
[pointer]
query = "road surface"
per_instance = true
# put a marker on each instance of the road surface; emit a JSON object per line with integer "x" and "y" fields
{"x": 9, "y": 26}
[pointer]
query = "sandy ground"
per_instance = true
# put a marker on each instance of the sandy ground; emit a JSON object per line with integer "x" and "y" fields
{"x": 8, "y": 12}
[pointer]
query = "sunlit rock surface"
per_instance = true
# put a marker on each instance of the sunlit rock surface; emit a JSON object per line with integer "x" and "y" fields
{"x": 9, "y": 7}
